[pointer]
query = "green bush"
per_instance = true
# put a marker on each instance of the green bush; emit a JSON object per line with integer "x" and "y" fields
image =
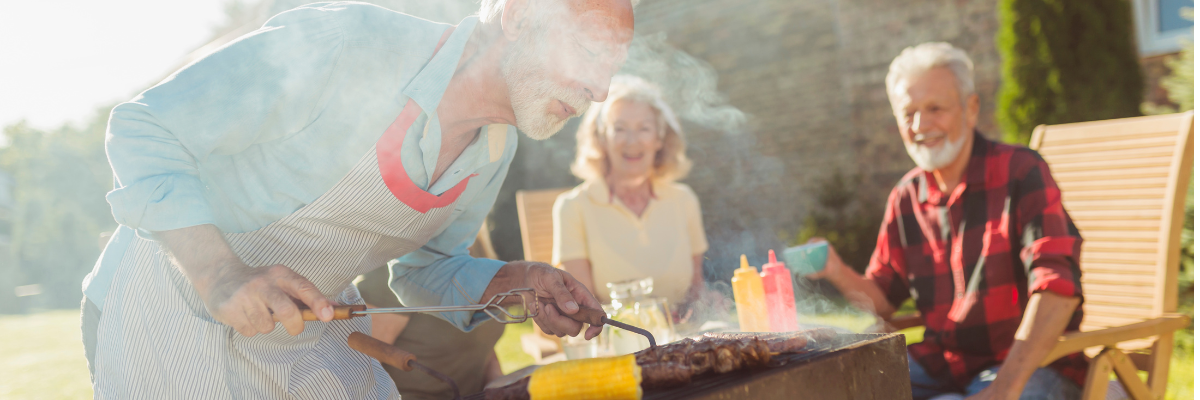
{"x": 1065, "y": 61}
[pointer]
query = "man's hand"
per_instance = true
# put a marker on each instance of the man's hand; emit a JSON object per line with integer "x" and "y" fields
{"x": 547, "y": 282}
{"x": 860, "y": 290}
{"x": 248, "y": 299}
{"x": 251, "y": 299}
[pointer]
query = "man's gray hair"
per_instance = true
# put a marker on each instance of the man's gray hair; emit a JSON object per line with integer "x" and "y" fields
{"x": 490, "y": 10}
{"x": 923, "y": 57}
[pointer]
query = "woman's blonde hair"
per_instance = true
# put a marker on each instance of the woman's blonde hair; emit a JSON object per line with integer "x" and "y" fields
{"x": 591, "y": 161}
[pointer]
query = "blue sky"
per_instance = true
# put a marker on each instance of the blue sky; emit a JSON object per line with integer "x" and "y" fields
{"x": 61, "y": 59}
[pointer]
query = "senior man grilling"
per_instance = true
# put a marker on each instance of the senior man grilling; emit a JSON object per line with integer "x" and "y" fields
{"x": 336, "y": 137}
{"x": 978, "y": 237}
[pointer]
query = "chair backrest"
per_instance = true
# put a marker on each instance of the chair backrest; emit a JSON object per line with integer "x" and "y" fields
{"x": 1124, "y": 182}
{"x": 535, "y": 210}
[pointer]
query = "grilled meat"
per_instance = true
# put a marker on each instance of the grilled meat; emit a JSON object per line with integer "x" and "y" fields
{"x": 676, "y": 363}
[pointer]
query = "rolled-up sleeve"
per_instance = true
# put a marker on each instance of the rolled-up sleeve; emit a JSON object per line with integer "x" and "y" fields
{"x": 259, "y": 88}
{"x": 442, "y": 272}
{"x": 1052, "y": 244}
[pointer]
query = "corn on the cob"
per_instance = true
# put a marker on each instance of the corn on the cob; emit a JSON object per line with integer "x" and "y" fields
{"x": 611, "y": 378}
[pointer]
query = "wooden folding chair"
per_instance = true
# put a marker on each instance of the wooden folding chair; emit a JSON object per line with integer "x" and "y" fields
{"x": 1124, "y": 182}
{"x": 535, "y": 212}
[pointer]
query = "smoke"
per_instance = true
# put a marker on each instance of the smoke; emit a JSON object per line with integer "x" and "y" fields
{"x": 730, "y": 173}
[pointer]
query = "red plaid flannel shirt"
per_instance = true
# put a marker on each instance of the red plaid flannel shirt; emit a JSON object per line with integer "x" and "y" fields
{"x": 971, "y": 258}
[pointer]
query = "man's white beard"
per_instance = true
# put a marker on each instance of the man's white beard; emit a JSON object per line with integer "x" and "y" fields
{"x": 932, "y": 159}
{"x": 531, "y": 93}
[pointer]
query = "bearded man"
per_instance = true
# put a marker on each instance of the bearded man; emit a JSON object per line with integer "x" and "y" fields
{"x": 280, "y": 167}
{"x": 978, "y": 237}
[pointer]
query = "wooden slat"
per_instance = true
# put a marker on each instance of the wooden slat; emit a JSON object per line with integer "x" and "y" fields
{"x": 1100, "y": 289}
{"x": 1151, "y": 153}
{"x": 1107, "y": 175}
{"x": 1100, "y": 224}
{"x": 1117, "y": 258}
{"x": 1118, "y": 279}
{"x": 1118, "y": 268}
{"x": 1111, "y": 128}
{"x": 1114, "y": 205}
{"x": 1116, "y": 145}
{"x": 1114, "y": 184}
{"x": 1122, "y": 194}
{"x": 1113, "y": 311}
{"x": 1106, "y": 321}
{"x": 1065, "y": 138}
{"x": 1128, "y": 247}
{"x": 1143, "y": 297}
{"x": 1108, "y": 165}
{"x": 1105, "y": 215}
{"x": 1119, "y": 235}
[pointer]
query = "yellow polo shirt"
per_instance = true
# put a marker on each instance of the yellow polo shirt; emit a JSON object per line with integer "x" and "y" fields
{"x": 590, "y": 224}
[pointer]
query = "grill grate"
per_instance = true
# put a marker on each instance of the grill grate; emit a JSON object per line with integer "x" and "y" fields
{"x": 717, "y": 382}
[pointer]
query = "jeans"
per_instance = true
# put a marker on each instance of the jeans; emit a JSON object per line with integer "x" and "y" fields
{"x": 1044, "y": 384}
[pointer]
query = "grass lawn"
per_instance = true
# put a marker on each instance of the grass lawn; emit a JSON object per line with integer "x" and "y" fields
{"x": 42, "y": 355}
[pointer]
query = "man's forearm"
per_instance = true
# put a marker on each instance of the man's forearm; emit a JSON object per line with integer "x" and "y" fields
{"x": 200, "y": 252}
{"x": 1046, "y": 316}
{"x": 861, "y": 292}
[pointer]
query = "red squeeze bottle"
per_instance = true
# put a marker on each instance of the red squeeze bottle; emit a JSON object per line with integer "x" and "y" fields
{"x": 781, "y": 301}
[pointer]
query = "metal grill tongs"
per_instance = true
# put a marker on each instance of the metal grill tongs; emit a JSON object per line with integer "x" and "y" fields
{"x": 494, "y": 308}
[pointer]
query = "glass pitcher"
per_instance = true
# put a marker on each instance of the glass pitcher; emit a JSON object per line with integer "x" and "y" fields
{"x": 632, "y": 304}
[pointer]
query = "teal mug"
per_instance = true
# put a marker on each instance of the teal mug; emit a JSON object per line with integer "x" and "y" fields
{"x": 806, "y": 259}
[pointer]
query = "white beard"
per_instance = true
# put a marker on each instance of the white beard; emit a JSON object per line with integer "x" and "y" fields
{"x": 932, "y": 159}
{"x": 532, "y": 95}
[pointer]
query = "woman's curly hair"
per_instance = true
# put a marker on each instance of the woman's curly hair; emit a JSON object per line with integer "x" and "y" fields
{"x": 591, "y": 161}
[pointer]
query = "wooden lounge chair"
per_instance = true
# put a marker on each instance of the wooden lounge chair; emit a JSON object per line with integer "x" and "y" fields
{"x": 535, "y": 214}
{"x": 1124, "y": 183}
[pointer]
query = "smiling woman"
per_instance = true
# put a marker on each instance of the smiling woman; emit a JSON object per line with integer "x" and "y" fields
{"x": 630, "y": 219}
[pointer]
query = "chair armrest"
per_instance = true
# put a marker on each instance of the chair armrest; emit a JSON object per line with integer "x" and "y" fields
{"x": 1078, "y": 341}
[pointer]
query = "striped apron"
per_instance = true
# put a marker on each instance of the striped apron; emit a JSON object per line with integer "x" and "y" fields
{"x": 156, "y": 340}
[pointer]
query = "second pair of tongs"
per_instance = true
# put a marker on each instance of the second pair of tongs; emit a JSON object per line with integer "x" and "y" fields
{"x": 595, "y": 317}
{"x": 496, "y": 308}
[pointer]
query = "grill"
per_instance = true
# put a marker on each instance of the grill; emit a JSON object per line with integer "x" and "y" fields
{"x": 852, "y": 366}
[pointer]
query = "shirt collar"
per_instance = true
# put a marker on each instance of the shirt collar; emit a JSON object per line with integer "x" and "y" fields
{"x": 598, "y": 191}
{"x": 427, "y": 88}
{"x": 976, "y": 172}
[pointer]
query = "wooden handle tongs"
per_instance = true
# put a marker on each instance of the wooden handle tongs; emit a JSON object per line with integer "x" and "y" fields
{"x": 493, "y": 308}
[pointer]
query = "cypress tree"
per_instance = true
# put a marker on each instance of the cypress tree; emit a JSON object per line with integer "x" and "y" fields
{"x": 1065, "y": 61}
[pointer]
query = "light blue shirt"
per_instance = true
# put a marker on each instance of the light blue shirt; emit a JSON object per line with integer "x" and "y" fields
{"x": 268, "y": 123}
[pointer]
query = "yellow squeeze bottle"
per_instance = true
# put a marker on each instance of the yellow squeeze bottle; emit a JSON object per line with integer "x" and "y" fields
{"x": 749, "y": 298}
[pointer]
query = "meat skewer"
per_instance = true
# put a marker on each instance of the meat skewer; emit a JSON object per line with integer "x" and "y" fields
{"x": 676, "y": 363}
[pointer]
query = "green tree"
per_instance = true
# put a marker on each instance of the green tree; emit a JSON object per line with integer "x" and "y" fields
{"x": 59, "y": 178}
{"x": 1065, "y": 61}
